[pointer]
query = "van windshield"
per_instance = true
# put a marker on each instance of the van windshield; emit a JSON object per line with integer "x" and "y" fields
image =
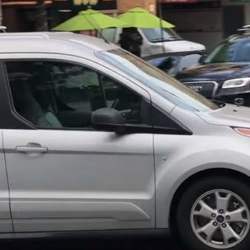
{"x": 157, "y": 80}
{"x": 160, "y": 35}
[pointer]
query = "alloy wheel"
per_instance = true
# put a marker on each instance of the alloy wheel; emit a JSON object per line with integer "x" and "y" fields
{"x": 220, "y": 219}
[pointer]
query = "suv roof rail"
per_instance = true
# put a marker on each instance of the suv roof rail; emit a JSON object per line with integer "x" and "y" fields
{"x": 3, "y": 28}
{"x": 245, "y": 28}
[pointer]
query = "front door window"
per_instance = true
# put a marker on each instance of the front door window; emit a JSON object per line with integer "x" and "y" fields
{"x": 62, "y": 95}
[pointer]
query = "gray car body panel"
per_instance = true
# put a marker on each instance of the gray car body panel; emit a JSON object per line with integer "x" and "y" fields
{"x": 230, "y": 115}
{"x": 127, "y": 182}
{"x": 5, "y": 216}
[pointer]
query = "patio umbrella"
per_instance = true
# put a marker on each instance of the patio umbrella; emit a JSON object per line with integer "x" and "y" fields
{"x": 90, "y": 20}
{"x": 141, "y": 18}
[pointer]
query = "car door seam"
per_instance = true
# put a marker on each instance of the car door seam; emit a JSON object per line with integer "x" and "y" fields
{"x": 8, "y": 183}
{"x": 154, "y": 160}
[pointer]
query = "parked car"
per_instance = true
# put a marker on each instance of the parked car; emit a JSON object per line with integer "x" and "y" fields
{"x": 157, "y": 41}
{"x": 225, "y": 73}
{"x": 93, "y": 138}
{"x": 175, "y": 63}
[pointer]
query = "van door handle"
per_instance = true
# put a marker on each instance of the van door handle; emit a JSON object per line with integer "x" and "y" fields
{"x": 32, "y": 148}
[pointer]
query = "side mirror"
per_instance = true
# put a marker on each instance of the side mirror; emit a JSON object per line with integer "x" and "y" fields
{"x": 108, "y": 119}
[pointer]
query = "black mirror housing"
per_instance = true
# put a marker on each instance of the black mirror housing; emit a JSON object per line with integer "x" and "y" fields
{"x": 108, "y": 119}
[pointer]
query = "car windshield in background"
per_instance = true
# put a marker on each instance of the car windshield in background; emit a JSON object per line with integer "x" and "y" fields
{"x": 160, "y": 35}
{"x": 160, "y": 82}
{"x": 234, "y": 50}
{"x": 174, "y": 64}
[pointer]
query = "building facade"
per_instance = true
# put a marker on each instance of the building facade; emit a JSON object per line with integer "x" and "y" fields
{"x": 204, "y": 21}
{"x": 21, "y": 15}
{"x": 123, "y": 5}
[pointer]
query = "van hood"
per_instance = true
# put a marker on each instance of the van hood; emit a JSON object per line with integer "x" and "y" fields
{"x": 229, "y": 115}
{"x": 180, "y": 46}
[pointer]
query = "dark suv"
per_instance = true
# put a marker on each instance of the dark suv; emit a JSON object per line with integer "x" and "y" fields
{"x": 225, "y": 73}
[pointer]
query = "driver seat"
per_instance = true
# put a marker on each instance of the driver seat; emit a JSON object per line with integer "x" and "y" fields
{"x": 27, "y": 106}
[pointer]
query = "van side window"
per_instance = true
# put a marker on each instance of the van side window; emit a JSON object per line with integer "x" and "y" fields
{"x": 53, "y": 94}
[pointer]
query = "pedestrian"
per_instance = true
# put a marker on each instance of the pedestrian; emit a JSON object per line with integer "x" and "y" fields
{"x": 131, "y": 40}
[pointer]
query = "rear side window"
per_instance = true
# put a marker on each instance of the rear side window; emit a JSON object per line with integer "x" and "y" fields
{"x": 236, "y": 50}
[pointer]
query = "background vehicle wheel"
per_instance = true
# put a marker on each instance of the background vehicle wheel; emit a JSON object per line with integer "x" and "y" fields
{"x": 213, "y": 213}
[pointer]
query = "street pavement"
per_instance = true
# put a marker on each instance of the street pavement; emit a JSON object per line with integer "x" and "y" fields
{"x": 91, "y": 244}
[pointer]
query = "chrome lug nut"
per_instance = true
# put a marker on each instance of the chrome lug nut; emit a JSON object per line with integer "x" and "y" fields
{"x": 224, "y": 225}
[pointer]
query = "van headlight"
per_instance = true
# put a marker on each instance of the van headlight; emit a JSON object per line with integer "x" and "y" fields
{"x": 236, "y": 83}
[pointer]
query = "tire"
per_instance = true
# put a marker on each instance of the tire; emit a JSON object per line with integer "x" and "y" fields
{"x": 196, "y": 223}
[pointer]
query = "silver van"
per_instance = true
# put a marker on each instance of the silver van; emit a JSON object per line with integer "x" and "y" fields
{"x": 93, "y": 138}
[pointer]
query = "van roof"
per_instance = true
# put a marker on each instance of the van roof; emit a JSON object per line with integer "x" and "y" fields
{"x": 52, "y": 42}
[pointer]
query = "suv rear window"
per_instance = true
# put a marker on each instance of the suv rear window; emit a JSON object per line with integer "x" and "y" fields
{"x": 234, "y": 50}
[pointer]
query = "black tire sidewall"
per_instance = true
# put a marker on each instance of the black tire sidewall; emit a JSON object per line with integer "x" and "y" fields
{"x": 189, "y": 197}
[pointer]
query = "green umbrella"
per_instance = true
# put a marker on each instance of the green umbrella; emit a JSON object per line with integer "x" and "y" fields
{"x": 90, "y": 20}
{"x": 141, "y": 18}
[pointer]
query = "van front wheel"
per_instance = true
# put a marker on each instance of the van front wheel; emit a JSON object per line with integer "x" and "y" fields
{"x": 213, "y": 213}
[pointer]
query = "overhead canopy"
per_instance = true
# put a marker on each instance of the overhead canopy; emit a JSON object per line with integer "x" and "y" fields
{"x": 141, "y": 18}
{"x": 90, "y": 20}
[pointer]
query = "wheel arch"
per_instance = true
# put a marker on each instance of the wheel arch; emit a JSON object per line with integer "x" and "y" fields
{"x": 196, "y": 176}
